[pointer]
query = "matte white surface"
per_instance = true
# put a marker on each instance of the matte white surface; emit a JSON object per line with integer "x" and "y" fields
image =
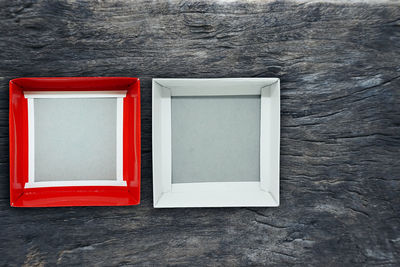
{"x": 210, "y": 87}
{"x": 270, "y": 139}
{"x": 215, "y": 138}
{"x": 31, "y": 141}
{"x": 74, "y": 94}
{"x": 75, "y": 139}
{"x": 225, "y": 194}
{"x": 120, "y": 142}
{"x": 76, "y": 183}
{"x": 264, "y": 192}
{"x": 161, "y": 139}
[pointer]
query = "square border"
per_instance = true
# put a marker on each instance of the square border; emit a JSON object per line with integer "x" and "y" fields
{"x": 31, "y": 96}
{"x": 57, "y": 196}
{"x": 264, "y": 193}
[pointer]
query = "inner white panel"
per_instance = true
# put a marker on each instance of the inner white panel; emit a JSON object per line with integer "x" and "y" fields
{"x": 75, "y": 139}
{"x": 215, "y": 138}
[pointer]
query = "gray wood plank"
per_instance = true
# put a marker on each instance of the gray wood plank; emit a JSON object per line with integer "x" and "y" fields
{"x": 339, "y": 66}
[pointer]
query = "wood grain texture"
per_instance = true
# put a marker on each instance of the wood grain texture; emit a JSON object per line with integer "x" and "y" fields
{"x": 339, "y": 65}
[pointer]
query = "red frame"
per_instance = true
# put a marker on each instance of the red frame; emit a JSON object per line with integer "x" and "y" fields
{"x": 74, "y": 195}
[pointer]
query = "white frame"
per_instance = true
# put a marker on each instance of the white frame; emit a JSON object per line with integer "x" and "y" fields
{"x": 263, "y": 193}
{"x": 31, "y": 95}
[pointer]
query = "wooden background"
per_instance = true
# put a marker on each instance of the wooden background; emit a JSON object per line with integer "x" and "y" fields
{"x": 339, "y": 65}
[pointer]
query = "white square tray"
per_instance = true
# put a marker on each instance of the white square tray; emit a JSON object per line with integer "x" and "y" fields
{"x": 216, "y": 142}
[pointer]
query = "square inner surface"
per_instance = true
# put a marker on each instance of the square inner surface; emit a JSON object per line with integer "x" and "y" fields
{"x": 75, "y": 139}
{"x": 215, "y": 138}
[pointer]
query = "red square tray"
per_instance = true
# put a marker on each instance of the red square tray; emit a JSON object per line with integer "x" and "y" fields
{"x": 74, "y": 195}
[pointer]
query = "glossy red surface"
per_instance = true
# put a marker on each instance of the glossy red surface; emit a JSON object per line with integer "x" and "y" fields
{"x": 74, "y": 195}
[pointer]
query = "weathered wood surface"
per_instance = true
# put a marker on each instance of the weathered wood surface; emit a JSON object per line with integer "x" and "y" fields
{"x": 339, "y": 65}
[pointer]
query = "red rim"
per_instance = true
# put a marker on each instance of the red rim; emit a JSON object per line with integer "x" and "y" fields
{"x": 74, "y": 195}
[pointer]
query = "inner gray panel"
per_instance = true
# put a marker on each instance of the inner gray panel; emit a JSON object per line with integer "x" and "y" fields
{"x": 215, "y": 138}
{"x": 75, "y": 139}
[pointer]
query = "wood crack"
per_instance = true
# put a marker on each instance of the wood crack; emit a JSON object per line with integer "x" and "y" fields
{"x": 360, "y": 91}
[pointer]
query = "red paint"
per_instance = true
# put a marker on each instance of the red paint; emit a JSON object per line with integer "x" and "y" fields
{"x": 74, "y": 195}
